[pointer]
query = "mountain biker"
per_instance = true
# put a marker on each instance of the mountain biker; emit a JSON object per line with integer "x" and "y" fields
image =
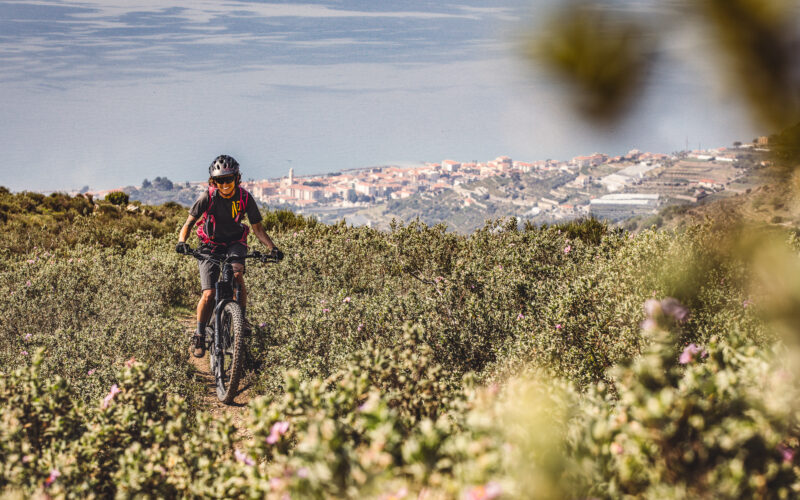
{"x": 219, "y": 211}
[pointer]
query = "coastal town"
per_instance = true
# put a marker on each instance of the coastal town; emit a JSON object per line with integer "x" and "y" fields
{"x": 607, "y": 187}
{"x": 463, "y": 194}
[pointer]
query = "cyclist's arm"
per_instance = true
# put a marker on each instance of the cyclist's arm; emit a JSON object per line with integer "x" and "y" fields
{"x": 186, "y": 228}
{"x": 262, "y": 236}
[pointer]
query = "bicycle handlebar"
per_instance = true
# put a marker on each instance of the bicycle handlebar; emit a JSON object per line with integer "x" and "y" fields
{"x": 197, "y": 254}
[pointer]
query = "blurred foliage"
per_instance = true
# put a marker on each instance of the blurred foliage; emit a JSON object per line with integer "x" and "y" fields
{"x": 604, "y": 53}
{"x": 604, "y": 57}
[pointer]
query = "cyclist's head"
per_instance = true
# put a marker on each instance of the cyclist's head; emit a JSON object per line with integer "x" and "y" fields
{"x": 224, "y": 174}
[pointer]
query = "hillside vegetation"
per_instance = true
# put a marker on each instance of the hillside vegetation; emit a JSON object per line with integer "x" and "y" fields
{"x": 569, "y": 361}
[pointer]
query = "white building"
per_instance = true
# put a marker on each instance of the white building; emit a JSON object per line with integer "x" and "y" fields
{"x": 623, "y": 205}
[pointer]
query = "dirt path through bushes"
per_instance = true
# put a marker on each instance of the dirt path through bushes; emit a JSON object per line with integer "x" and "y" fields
{"x": 237, "y": 411}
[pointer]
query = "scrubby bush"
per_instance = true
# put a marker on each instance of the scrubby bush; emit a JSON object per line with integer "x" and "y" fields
{"x": 527, "y": 368}
{"x": 117, "y": 198}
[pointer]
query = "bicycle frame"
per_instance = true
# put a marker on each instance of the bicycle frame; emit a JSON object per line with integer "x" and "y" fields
{"x": 224, "y": 288}
{"x": 225, "y": 292}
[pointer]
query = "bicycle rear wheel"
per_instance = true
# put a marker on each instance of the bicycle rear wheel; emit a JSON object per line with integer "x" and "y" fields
{"x": 228, "y": 366}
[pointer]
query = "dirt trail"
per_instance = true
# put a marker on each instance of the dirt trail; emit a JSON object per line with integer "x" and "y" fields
{"x": 237, "y": 410}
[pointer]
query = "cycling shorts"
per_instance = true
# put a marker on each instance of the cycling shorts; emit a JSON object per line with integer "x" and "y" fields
{"x": 209, "y": 272}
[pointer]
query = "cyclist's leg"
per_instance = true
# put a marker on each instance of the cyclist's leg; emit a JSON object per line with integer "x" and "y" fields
{"x": 208, "y": 276}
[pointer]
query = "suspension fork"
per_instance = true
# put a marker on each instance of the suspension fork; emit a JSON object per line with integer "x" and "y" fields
{"x": 218, "y": 347}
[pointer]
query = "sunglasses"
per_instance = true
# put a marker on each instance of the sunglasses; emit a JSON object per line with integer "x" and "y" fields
{"x": 225, "y": 180}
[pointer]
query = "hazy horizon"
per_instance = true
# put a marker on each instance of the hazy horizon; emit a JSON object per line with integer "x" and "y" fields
{"x": 107, "y": 93}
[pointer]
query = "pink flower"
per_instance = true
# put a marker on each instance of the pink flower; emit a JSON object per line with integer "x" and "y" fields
{"x": 262, "y": 325}
{"x": 326, "y": 310}
{"x": 616, "y": 448}
{"x": 52, "y": 477}
{"x": 28, "y": 336}
{"x": 107, "y": 400}
{"x": 277, "y": 430}
{"x": 243, "y": 458}
{"x": 346, "y": 300}
{"x": 649, "y": 325}
{"x": 672, "y": 307}
{"x": 130, "y": 362}
{"x": 439, "y": 279}
{"x": 520, "y": 316}
{"x": 24, "y": 353}
{"x": 567, "y": 249}
{"x": 27, "y": 459}
{"x": 401, "y": 493}
{"x": 302, "y": 472}
{"x": 91, "y": 372}
{"x": 360, "y": 326}
{"x": 28, "y": 283}
{"x": 488, "y": 491}
{"x": 688, "y": 354}
{"x": 31, "y": 261}
{"x": 559, "y": 326}
{"x": 787, "y": 453}
{"x": 746, "y": 303}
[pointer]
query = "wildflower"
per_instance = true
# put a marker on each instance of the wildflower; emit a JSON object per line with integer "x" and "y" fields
{"x": 28, "y": 283}
{"x": 559, "y": 326}
{"x": 276, "y": 431}
{"x": 31, "y": 261}
{"x": 672, "y": 307}
{"x": 652, "y": 308}
{"x": 243, "y": 458}
{"x": 439, "y": 279}
{"x": 130, "y": 362}
{"x": 485, "y": 492}
{"x": 326, "y": 310}
{"x": 649, "y": 325}
{"x": 500, "y": 267}
{"x": 688, "y": 354}
{"x": 520, "y": 316}
{"x": 27, "y": 459}
{"x": 91, "y": 372}
{"x": 302, "y": 472}
{"x": 28, "y": 336}
{"x": 746, "y": 303}
{"x": 787, "y": 453}
{"x": 401, "y": 493}
{"x": 24, "y": 353}
{"x": 52, "y": 477}
{"x": 113, "y": 392}
{"x": 360, "y": 327}
{"x": 616, "y": 448}
{"x": 262, "y": 325}
{"x": 567, "y": 248}
{"x": 346, "y": 300}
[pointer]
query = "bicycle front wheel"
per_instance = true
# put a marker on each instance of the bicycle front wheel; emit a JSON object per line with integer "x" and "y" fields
{"x": 228, "y": 365}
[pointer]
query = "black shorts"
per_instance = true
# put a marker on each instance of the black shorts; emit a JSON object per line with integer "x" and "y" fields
{"x": 209, "y": 272}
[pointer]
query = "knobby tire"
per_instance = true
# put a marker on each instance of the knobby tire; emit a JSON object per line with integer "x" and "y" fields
{"x": 233, "y": 340}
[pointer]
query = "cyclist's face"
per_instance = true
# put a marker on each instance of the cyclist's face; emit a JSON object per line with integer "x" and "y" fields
{"x": 226, "y": 185}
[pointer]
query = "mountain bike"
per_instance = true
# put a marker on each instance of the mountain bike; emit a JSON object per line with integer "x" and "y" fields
{"x": 225, "y": 333}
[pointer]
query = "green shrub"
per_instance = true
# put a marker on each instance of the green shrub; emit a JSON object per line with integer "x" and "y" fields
{"x": 117, "y": 198}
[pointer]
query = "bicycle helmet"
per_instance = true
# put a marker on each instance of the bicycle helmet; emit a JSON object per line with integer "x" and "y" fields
{"x": 223, "y": 165}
